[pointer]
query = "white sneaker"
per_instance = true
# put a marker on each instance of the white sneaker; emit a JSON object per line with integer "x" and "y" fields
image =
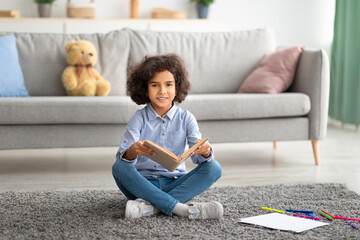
{"x": 207, "y": 210}
{"x": 139, "y": 208}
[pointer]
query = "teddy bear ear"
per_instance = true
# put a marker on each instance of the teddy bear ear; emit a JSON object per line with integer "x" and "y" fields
{"x": 69, "y": 45}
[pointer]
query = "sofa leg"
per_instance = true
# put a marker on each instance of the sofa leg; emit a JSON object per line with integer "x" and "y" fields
{"x": 274, "y": 144}
{"x": 315, "y": 146}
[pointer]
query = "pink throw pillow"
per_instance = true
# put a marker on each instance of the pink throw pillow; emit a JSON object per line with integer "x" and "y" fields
{"x": 275, "y": 72}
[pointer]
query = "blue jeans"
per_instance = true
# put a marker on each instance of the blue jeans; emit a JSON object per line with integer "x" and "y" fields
{"x": 164, "y": 192}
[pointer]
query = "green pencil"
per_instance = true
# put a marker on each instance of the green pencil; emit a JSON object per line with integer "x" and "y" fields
{"x": 324, "y": 214}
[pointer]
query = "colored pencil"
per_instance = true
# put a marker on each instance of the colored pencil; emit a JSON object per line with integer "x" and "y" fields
{"x": 270, "y": 209}
{"x": 313, "y": 218}
{"x": 352, "y": 225}
{"x": 344, "y": 218}
{"x": 327, "y": 216}
{"x": 309, "y": 214}
{"x": 300, "y": 211}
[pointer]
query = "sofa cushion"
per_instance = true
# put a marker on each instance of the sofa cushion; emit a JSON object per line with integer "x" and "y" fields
{"x": 11, "y": 77}
{"x": 67, "y": 110}
{"x": 275, "y": 72}
{"x": 216, "y": 62}
{"x": 119, "y": 109}
{"x": 246, "y": 106}
{"x": 43, "y": 60}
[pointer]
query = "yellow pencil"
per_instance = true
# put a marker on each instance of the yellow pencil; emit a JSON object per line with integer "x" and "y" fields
{"x": 270, "y": 209}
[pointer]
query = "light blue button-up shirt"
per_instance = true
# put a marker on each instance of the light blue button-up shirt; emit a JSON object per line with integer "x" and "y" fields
{"x": 171, "y": 132}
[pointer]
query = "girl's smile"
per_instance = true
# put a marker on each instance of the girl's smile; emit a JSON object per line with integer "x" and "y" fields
{"x": 161, "y": 91}
{"x": 162, "y": 98}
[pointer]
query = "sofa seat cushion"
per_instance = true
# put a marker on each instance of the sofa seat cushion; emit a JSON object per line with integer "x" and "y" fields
{"x": 119, "y": 109}
{"x": 67, "y": 110}
{"x": 246, "y": 106}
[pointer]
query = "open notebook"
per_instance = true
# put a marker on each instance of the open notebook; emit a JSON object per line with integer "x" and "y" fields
{"x": 168, "y": 159}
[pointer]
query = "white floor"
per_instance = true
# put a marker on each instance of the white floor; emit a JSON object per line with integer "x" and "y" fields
{"x": 243, "y": 164}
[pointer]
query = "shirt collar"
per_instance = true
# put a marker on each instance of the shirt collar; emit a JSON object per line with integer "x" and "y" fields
{"x": 152, "y": 114}
{"x": 170, "y": 114}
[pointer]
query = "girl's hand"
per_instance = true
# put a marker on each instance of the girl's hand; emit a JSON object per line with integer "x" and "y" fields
{"x": 138, "y": 149}
{"x": 204, "y": 149}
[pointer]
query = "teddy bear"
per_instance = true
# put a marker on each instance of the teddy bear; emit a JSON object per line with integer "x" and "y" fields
{"x": 80, "y": 78}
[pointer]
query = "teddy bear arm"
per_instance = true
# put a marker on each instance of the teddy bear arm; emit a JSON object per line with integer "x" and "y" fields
{"x": 69, "y": 78}
{"x": 97, "y": 75}
{"x": 103, "y": 86}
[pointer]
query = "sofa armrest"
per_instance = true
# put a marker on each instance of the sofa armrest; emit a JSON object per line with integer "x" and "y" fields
{"x": 312, "y": 78}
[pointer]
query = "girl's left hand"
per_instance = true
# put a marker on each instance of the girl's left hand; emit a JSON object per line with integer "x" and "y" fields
{"x": 204, "y": 149}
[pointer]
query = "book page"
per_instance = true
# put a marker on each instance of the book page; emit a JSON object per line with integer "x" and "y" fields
{"x": 188, "y": 152}
{"x": 168, "y": 159}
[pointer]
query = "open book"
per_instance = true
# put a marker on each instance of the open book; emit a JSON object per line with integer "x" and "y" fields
{"x": 168, "y": 159}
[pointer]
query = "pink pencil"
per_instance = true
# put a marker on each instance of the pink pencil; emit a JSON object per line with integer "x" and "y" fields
{"x": 344, "y": 218}
{"x": 313, "y": 218}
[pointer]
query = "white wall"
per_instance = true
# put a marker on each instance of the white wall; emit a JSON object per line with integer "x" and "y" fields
{"x": 308, "y": 22}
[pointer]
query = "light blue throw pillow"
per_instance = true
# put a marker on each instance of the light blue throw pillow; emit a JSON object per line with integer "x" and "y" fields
{"x": 11, "y": 76}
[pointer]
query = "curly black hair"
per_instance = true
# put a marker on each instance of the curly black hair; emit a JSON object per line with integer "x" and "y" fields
{"x": 142, "y": 72}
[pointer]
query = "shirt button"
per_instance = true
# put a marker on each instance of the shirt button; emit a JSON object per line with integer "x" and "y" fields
{"x": 125, "y": 141}
{"x": 162, "y": 134}
{"x": 163, "y": 121}
{"x": 154, "y": 166}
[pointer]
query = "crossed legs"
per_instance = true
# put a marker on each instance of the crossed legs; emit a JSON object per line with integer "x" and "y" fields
{"x": 162, "y": 192}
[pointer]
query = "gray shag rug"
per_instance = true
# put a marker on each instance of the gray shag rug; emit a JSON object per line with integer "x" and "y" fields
{"x": 100, "y": 214}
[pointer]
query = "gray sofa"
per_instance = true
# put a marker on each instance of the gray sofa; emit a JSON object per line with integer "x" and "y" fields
{"x": 217, "y": 63}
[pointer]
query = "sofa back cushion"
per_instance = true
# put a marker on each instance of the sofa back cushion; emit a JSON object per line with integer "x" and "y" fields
{"x": 43, "y": 60}
{"x": 216, "y": 62}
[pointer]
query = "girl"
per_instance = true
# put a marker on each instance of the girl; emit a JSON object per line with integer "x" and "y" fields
{"x": 159, "y": 81}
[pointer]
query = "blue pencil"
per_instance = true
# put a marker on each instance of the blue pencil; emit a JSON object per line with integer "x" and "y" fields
{"x": 301, "y": 211}
{"x": 309, "y": 214}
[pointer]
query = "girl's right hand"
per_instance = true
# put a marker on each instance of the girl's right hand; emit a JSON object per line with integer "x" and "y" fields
{"x": 138, "y": 149}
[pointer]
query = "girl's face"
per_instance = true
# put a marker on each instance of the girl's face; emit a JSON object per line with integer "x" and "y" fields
{"x": 161, "y": 91}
